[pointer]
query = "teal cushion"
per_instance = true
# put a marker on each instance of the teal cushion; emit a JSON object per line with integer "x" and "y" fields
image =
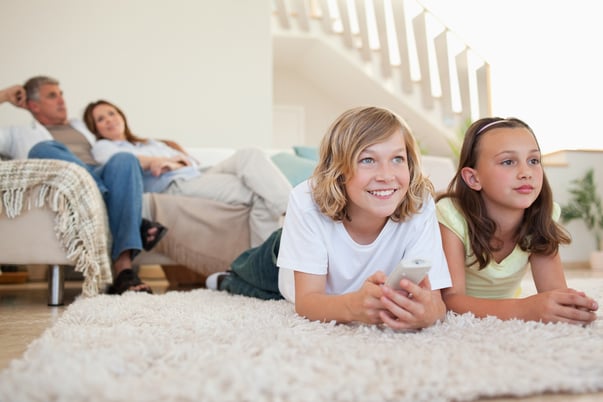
{"x": 306, "y": 152}
{"x": 296, "y": 169}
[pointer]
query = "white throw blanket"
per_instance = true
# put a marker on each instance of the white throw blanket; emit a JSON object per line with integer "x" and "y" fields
{"x": 81, "y": 220}
{"x": 206, "y": 345}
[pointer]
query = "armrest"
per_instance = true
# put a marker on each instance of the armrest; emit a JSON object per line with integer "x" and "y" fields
{"x": 80, "y": 222}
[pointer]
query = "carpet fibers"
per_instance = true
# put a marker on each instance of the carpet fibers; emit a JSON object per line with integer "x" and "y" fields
{"x": 206, "y": 345}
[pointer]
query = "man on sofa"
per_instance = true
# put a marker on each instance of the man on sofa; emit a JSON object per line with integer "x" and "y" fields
{"x": 52, "y": 136}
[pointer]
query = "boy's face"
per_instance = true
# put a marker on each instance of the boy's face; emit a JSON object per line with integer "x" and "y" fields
{"x": 380, "y": 181}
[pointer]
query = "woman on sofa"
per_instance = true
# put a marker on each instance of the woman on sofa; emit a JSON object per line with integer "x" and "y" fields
{"x": 248, "y": 177}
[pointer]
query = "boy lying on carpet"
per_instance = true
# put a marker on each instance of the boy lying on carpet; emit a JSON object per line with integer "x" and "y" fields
{"x": 497, "y": 218}
{"x": 366, "y": 207}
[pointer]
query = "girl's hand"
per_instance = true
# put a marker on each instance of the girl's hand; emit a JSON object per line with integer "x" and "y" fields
{"x": 413, "y": 307}
{"x": 561, "y": 305}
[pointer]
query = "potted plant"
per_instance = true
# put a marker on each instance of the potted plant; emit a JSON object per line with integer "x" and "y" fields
{"x": 586, "y": 204}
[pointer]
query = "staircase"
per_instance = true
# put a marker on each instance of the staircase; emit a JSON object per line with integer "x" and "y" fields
{"x": 395, "y": 51}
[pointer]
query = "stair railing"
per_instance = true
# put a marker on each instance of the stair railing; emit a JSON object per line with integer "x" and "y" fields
{"x": 405, "y": 46}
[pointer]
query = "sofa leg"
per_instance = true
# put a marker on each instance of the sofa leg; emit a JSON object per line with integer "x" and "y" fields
{"x": 56, "y": 284}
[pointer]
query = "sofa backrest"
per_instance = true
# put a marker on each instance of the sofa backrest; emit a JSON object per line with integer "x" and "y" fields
{"x": 439, "y": 169}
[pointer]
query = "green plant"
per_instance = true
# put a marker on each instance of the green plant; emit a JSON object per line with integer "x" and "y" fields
{"x": 585, "y": 204}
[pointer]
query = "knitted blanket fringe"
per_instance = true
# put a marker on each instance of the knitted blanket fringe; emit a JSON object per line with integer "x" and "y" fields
{"x": 80, "y": 222}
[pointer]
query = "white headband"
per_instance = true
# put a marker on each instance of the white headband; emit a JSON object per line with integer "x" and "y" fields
{"x": 481, "y": 130}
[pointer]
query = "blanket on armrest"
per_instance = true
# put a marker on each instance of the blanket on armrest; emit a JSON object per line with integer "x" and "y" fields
{"x": 81, "y": 221}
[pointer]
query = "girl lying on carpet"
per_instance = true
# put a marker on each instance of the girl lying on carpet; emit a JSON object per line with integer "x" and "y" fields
{"x": 366, "y": 207}
{"x": 497, "y": 218}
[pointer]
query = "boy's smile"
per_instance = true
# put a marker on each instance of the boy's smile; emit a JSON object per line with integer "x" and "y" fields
{"x": 380, "y": 181}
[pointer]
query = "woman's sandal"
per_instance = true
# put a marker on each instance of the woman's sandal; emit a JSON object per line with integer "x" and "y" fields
{"x": 125, "y": 280}
{"x": 144, "y": 233}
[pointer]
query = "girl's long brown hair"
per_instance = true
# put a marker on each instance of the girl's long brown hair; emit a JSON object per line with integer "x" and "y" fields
{"x": 538, "y": 233}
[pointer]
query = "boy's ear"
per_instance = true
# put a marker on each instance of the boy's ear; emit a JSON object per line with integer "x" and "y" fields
{"x": 470, "y": 178}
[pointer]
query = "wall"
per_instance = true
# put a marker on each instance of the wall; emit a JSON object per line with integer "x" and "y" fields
{"x": 320, "y": 109}
{"x": 561, "y": 168}
{"x": 197, "y": 71}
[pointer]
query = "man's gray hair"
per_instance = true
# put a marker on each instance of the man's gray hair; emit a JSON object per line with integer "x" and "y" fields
{"x": 32, "y": 86}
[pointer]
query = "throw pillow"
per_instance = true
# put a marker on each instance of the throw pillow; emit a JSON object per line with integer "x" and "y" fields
{"x": 306, "y": 152}
{"x": 296, "y": 169}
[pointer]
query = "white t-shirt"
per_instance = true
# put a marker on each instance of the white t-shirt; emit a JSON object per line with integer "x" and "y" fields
{"x": 315, "y": 244}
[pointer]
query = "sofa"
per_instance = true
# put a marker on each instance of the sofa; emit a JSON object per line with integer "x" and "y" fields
{"x": 51, "y": 213}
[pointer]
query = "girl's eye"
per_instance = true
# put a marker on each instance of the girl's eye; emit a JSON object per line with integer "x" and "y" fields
{"x": 507, "y": 162}
{"x": 366, "y": 161}
{"x": 399, "y": 159}
{"x": 100, "y": 119}
{"x": 534, "y": 161}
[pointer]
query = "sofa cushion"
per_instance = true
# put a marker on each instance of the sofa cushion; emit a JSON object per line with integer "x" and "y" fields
{"x": 295, "y": 168}
{"x": 306, "y": 152}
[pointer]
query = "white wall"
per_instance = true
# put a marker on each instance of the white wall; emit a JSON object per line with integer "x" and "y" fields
{"x": 197, "y": 71}
{"x": 562, "y": 168}
{"x": 320, "y": 108}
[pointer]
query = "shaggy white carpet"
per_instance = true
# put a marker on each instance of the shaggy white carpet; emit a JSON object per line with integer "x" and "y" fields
{"x": 204, "y": 345}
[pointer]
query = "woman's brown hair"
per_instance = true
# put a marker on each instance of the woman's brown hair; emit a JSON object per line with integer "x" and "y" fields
{"x": 91, "y": 124}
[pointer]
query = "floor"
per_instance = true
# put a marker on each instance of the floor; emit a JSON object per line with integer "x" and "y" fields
{"x": 24, "y": 315}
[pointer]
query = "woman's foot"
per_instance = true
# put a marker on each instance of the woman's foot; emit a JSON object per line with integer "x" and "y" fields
{"x": 151, "y": 233}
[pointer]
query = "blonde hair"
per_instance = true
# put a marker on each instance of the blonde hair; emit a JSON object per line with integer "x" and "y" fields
{"x": 350, "y": 134}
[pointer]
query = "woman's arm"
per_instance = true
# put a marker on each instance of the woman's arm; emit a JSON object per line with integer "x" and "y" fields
{"x": 104, "y": 149}
{"x": 161, "y": 164}
{"x": 175, "y": 145}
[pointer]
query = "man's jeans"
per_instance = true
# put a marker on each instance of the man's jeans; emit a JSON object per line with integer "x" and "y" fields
{"x": 120, "y": 182}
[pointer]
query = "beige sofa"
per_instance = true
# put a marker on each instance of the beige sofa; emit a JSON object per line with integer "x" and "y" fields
{"x": 204, "y": 235}
{"x": 51, "y": 213}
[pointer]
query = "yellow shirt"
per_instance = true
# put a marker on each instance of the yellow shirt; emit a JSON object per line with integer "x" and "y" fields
{"x": 496, "y": 280}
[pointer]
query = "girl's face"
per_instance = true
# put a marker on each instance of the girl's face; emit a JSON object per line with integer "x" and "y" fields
{"x": 381, "y": 179}
{"x": 109, "y": 123}
{"x": 508, "y": 171}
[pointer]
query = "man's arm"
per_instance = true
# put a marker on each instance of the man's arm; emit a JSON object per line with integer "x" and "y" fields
{"x": 15, "y": 95}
